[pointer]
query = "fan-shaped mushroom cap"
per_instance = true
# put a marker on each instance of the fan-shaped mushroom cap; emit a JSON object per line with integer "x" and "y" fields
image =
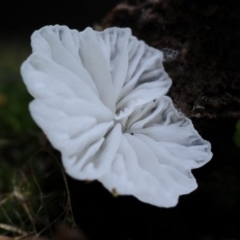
{"x": 100, "y": 99}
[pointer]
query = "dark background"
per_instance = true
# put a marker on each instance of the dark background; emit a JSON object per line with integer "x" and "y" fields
{"x": 209, "y": 213}
{"x": 21, "y": 18}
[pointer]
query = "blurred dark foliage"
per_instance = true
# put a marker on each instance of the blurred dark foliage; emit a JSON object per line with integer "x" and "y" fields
{"x": 62, "y": 231}
{"x": 33, "y": 193}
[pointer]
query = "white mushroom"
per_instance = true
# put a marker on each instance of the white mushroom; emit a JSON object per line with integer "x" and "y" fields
{"x": 100, "y": 99}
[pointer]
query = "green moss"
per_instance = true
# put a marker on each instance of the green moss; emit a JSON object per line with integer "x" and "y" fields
{"x": 236, "y": 136}
{"x": 14, "y": 97}
{"x": 32, "y": 189}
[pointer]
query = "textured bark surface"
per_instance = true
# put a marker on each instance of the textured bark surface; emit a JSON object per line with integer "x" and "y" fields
{"x": 204, "y": 36}
{"x": 203, "y": 40}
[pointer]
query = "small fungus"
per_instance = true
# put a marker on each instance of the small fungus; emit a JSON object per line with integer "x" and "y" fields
{"x": 100, "y": 99}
